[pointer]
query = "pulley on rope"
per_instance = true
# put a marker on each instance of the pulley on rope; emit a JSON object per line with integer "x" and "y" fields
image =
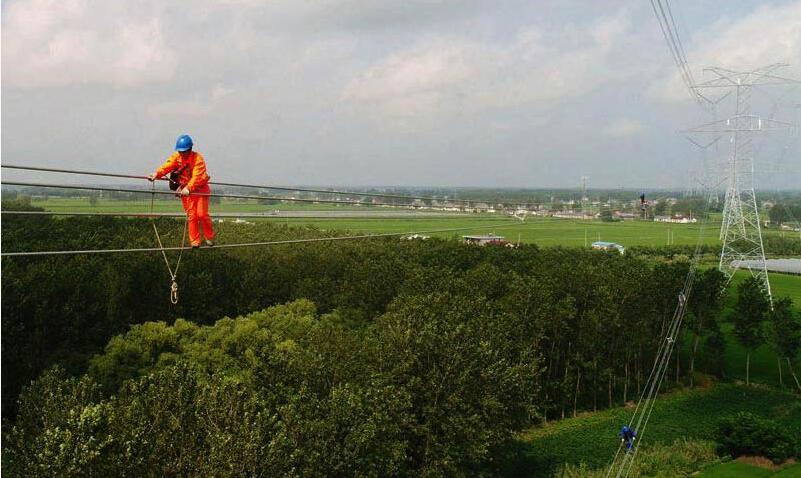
{"x": 174, "y": 292}
{"x": 173, "y": 273}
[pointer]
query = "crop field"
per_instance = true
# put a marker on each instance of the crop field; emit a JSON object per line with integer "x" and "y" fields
{"x": 537, "y": 230}
{"x": 543, "y": 231}
{"x": 736, "y": 469}
{"x": 780, "y": 284}
{"x": 592, "y": 438}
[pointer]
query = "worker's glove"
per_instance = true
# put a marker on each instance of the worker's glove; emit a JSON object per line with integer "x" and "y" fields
{"x": 185, "y": 192}
{"x": 152, "y": 177}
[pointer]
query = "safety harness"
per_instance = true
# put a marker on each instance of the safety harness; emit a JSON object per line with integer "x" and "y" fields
{"x": 173, "y": 272}
{"x": 175, "y": 178}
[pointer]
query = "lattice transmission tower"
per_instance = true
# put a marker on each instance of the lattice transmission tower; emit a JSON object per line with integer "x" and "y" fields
{"x": 740, "y": 230}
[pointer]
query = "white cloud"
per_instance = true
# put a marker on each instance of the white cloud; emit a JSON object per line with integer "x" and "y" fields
{"x": 55, "y": 43}
{"x": 413, "y": 80}
{"x": 179, "y": 109}
{"x": 623, "y": 128}
{"x": 355, "y": 90}
{"x": 769, "y": 34}
{"x": 447, "y": 74}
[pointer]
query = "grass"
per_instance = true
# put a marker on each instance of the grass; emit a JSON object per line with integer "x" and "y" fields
{"x": 736, "y": 469}
{"x": 538, "y": 230}
{"x": 691, "y": 415}
{"x": 780, "y": 284}
{"x": 764, "y": 364}
{"x": 680, "y": 458}
{"x": 790, "y": 472}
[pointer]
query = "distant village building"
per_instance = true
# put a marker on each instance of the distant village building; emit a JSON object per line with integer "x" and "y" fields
{"x": 677, "y": 219}
{"x": 482, "y": 207}
{"x": 625, "y": 215}
{"x": 575, "y": 215}
{"x": 415, "y": 236}
{"x": 489, "y": 239}
{"x": 608, "y": 246}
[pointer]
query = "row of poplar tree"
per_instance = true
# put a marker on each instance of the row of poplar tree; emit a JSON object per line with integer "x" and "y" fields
{"x": 389, "y": 358}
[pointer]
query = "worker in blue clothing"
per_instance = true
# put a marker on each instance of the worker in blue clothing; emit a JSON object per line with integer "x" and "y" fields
{"x": 627, "y": 436}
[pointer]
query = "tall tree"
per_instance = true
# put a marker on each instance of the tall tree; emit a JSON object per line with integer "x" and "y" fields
{"x": 750, "y": 312}
{"x": 705, "y": 304}
{"x": 786, "y": 334}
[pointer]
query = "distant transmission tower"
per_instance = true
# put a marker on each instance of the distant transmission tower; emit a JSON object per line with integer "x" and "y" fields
{"x": 740, "y": 230}
{"x": 583, "y": 192}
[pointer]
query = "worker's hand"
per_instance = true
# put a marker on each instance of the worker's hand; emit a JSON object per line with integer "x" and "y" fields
{"x": 185, "y": 191}
{"x": 152, "y": 177}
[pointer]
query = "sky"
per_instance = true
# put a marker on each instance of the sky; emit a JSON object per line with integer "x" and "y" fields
{"x": 491, "y": 93}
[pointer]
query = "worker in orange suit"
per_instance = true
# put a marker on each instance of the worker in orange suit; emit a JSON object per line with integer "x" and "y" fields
{"x": 187, "y": 170}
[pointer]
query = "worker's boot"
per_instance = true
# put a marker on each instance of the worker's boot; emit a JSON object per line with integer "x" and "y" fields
{"x": 209, "y": 243}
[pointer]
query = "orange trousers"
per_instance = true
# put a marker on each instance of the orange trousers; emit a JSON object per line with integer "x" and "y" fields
{"x": 197, "y": 213}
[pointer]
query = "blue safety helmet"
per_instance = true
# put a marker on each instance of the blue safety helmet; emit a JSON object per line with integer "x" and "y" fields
{"x": 184, "y": 143}
{"x": 625, "y": 429}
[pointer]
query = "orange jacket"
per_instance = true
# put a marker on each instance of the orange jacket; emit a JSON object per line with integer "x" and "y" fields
{"x": 193, "y": 170}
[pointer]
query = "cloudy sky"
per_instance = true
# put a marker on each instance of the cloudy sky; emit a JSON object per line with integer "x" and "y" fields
{"x": 383, "y": 92}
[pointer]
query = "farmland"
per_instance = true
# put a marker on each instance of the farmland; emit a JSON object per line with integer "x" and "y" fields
{"x": 543, "y": 231}
{"x": 738, "y": 469}
{"x": 592, "y": 439}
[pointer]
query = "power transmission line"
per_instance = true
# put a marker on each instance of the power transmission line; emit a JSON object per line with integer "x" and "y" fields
{"x": 620, "y": 468}
{"x": 252, "y": 186}
{"x": 670, "y": 32}
{"x": 254, "y": 244}
{"x": 288, "y": 215}
{"x": 229, "y": 196}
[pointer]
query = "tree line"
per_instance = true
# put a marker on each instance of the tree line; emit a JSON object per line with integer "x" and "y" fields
{"x": 388, "y": 357}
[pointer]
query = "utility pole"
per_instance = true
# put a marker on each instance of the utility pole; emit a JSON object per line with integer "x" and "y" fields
{"x": 740, "y": 229}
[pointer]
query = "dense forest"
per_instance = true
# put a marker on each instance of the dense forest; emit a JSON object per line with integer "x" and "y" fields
{"x": 375, "y": 357}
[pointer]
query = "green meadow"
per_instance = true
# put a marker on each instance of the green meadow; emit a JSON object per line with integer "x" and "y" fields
{"x": 543, "y": 231}
{"x": 764, "y": 362}
{"x": 736, "y": 469}
{"x": 689, "y": 415}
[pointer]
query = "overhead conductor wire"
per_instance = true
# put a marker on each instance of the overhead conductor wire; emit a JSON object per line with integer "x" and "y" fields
{"x": 261, "y": 243}
{"x": 645, "y": 404}
{"x": 257, "y": 186}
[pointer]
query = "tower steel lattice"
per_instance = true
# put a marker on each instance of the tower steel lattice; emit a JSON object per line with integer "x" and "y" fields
{"x": 740, "y": 230}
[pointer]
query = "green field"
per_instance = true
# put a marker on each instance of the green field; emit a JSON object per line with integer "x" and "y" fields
{"x": 542, "y": 231}
{"x": 592, "y": 439}
{"x": 736, "y": 469}
{"x": 764, "y": 364}
{"x": 780, "y": 284}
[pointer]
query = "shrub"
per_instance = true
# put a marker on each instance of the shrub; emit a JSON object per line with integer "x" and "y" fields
{"x": 748, "y": 434}
{"x": 680, "y": 458}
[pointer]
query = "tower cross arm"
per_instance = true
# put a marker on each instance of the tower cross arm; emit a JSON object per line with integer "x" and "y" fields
{"x": 742, "y": 123}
